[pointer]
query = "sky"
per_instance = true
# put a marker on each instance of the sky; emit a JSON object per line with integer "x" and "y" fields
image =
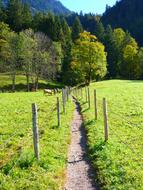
{"x": 94, "y": 6}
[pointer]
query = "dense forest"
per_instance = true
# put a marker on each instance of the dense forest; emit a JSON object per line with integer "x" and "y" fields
{"x": 71, "y": 48}
{"x": 127, "y": 14}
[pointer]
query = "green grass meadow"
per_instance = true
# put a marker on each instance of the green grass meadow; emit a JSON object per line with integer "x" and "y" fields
{"x": 18, "y": 167}
{"x": 119, "y": 162}
{"x": 6, "y": 83}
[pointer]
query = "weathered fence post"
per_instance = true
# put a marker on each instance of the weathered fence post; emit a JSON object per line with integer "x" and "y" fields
{"x": 95, "y": 104}
{"x": 73, "y": 92}
{"x": 105, "y": 119}
{"x": 88, "y": 98}
{"x": 67, "y": 93}
{"x": 65, "y": 96}
{"x": 63, "y": 100}
{"x": 69, "y": 90}
{"x": 35, "y": 130}
{"x": 58, "y": 111}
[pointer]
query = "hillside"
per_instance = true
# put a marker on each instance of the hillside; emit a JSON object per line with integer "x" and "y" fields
{"x": 127, "y": 14}
{"x": 54, "y": 6}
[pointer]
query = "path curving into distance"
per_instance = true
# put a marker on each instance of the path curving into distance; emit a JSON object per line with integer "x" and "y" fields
{"x": 79, "y": 171}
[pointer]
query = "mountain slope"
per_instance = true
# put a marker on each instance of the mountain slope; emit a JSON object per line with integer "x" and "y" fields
{"x": 54, "y": 6}
{"x": 127, "y": 14}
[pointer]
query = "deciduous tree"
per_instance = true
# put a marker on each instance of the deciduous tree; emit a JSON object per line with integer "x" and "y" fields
{"x": 88, "y": 58}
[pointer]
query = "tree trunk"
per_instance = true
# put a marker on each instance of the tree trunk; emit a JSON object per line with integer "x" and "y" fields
{"x": 13, "y": 82}
{"x": 33, "y": 82}
{"x": 36, "y": 83}
{"x": 27, "y": 78}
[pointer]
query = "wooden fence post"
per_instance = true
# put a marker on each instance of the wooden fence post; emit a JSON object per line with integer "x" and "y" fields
{"x": 35, "y": 130}
{"x": 67, "y": 91}
{"x": 88, "y": 98}
{"x": 63, "y": 100}
{"x": 73, "y": 92}
{"x": 95, "y": 104}
{"x": 58, "y": 111}
{"x": 105, "y": 119}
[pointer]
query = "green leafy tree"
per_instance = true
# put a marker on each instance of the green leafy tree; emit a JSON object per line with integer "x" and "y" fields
{"x": 140, "y": 57}
{"x": 88, "y": 58}
{"x": 26, "y": 53}
{"x": 118, "y": 36}
{"x": 56, "y": 56}
{"x": 131, "y": 65}
{"x": 46, "y": 60}
{"x": 11, "y": 56}
{"x": 116, "y": 42}
{"x": 4, "y": 33}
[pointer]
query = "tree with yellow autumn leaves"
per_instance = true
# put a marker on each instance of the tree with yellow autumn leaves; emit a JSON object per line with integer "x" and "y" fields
{"x": 88, "y": 59}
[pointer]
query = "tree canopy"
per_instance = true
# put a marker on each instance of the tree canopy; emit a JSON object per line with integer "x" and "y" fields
{"x": 88, "y": 58}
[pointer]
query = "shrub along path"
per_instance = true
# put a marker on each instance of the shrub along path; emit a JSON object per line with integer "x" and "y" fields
{"x": 79, "y": 172}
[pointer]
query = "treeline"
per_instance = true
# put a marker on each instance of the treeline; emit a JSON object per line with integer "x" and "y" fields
{"x": 59, "y": 60}
{"x": 127, "y": 14}
{"x": 31, "y": 53}
{"x": 125, "y": 58}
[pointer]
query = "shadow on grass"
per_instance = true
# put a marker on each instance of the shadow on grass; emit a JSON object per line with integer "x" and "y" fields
{"x": 98, "y": 147}
{"x": 86, "y": 109}
{"x": 135, "y": 81}
{"x": 55, "y": 127}
{"x": 23, "y": 87}
{"x": 83, "y": 103}
{"x": 91, "y": 122}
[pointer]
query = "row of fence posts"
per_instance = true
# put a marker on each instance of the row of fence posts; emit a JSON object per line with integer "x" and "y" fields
{"x": 65, "y": 98}
{"x": 88, "y": 100}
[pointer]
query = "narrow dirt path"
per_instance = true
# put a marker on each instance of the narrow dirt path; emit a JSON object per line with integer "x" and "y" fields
{"x": 79, "y": 172}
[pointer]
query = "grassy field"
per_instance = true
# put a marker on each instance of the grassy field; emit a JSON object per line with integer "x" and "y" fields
{"x": 6, "y": 83}
{"x": 18, "y": 167}
{"x": 119, "y": 162}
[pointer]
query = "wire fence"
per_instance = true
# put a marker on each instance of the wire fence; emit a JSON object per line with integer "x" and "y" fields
{"x": 22, "y": 135}
{"x": 126, "y": 130}
{"x": 116, "y": 126}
